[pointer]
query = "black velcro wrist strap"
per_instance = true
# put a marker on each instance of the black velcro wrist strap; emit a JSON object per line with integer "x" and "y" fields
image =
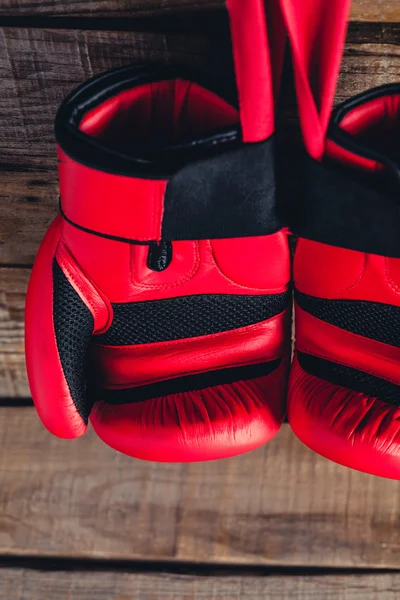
{"x": 225, "y": 194}
{"x": 347, "y": 209}
{"x": 211, "y": 187}
{"x": 229, "y": 195}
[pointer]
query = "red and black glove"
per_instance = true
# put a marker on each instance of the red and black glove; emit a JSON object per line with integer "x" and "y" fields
{"x": 344, "y": 391}
{"x": 345, "y": 383}
{"x": 158, "y": 302}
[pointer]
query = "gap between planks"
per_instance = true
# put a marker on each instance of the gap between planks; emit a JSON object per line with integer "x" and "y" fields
{"x": 31, "y": 584}
{"x": 36, "y": 585}
{"x": 281, "y": 505}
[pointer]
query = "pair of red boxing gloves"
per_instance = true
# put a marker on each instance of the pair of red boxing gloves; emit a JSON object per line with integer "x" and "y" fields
{"x": 159, "y": 305}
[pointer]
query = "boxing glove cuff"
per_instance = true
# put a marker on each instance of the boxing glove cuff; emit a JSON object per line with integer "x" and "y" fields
{"x": 351, "y": 198}
{"x": 100, "y": 181}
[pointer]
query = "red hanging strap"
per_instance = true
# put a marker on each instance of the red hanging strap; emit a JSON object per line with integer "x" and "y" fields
{"x": 317, "y": 33}
{"x": 258, "y": 63}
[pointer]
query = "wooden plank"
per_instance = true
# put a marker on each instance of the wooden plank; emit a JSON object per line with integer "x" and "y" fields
{"x": 279, "y": 505}
{"x": 378, "y": 11}
{"x": 367, "y": 65}
{"x": 361, "y": 10}
{"x": 105, "y": 8}
{"x": 28, "y": 204}
{"x": 13, "y": 380}
{"x": 24, "y": 584}
{"x": 39, "y": 67}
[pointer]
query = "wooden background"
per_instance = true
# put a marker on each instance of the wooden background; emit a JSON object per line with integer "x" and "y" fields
{"x": 80, "y": 521}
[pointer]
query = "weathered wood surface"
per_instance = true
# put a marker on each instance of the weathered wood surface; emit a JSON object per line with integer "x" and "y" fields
{"x": 361, "y": 10}
{"x": 279, "y": 505}
{"x": 28, "y": 203}
{"x": 39, "y": 67}
{"x": 24, "y": 584}
{"x": 13, "y": 381}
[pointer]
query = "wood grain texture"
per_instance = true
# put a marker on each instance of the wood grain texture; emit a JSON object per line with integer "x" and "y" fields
{"x": 39, "y": 67}
{"x": 104, "y": 8}
{"x": 13, "y": 381}
{"x": 24, "y": 584}
{"x": 378, "y": 11}
{"x": 361, "y": 10}
{"x": 279, "y": 505}
{"x": 28, "y": 204}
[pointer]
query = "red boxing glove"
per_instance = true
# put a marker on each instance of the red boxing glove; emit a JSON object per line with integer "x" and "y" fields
{"x": 158, "y": 302}
{"x": 345, "y": 384}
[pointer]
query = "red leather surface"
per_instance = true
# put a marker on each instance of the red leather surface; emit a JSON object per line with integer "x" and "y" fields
{"x": 199, "y": 425}
{"x": 316, "y": 30}
{"x": 253, "y": 68}
{"x": 127, "y": 366}
{"x": 96, "y": 200}
{"x": 46, "y": 380}
{"x": 179, "y": 110}
{"x": 346, "y": 274}
{"x": 197, "y": 267}
{"x": 202, "y": 425}
{"x": 337, "y": 345}
{"x": 98, "y": 304}
{"x": 348, "y": 427}
{"x": 375, "y": 121}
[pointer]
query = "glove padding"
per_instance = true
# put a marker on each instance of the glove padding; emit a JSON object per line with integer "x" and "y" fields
{"x": 158, "y": 302}
{"x": 344, "y": 392}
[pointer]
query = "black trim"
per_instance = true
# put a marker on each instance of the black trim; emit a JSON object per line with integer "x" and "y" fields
{"x": 218, "y": 187}
{"x": 90, "y": 152}
{"x": 354, "y": 144}
{"x": 159, "y": 256}
{"x": 187, "y": 317}
{"x": 230, "y": 195}
{"x": 226, "y": 196}
{"x": 350, "y": 378}
{"x": 107, "y": 236}
{"x": 73, "y": 328}
{"x": 373, "y": 320}
{"x": 187, "y": 383}
{"x": 348, "y": 208}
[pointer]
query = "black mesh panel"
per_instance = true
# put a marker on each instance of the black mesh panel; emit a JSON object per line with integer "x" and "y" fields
{"x": 380, "y": 322}
{"x": 73, "y": 325}
{"x": 186, "y": 317}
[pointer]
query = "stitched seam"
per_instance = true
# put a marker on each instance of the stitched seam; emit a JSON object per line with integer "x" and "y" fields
{"x": 167, "y": 286}
{"x": 67, "y": 270}
{"x": 389, "y": 279}
{"x": 71, "y": 276}
{"x": 70, "y": 403}
{"x": 350, "y": 287}
{"x": 244, "y": 287}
